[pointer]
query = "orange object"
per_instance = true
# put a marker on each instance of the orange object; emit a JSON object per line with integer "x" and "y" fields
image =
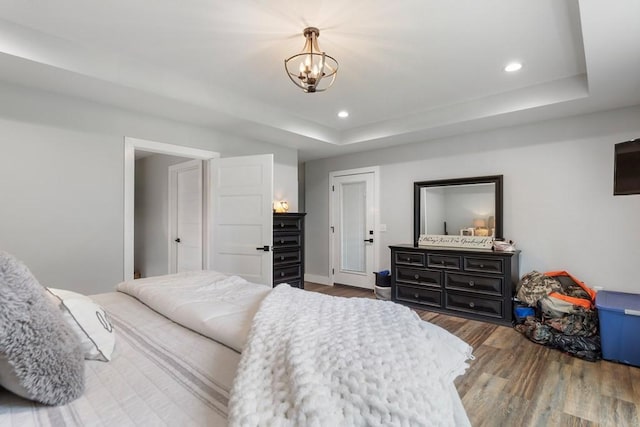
{"x": 588, "y": 304}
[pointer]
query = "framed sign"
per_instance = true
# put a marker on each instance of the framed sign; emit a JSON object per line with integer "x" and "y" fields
{"x": 453, "y": 241}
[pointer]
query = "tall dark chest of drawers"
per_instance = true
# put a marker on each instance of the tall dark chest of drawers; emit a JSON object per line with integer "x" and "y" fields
{"x": 476, "y": 284}
{"x": 288, "y": 249}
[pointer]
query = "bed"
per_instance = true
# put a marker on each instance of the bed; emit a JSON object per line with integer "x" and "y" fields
{"x": 225, "y": 351}
{"x": 147, "y": 381}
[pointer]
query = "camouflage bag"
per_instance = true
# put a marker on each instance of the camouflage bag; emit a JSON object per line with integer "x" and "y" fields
{"x": 535, "y": 331}
{"x": 535, "y": 286}
{"x": 582, "y": 323}
{"x": 573, "y": 295}
{"x": 584, "y": 347}
{"x": 565, "y": 318}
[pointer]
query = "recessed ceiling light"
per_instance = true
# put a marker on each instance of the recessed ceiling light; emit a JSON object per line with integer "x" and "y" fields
{"x": 343, "y": 114}
{"x": 513, "y": 66}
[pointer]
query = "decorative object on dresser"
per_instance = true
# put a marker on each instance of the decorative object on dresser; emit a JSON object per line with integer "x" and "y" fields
{"x": 453, "y": 241}
{"x": 472, "y": 283}
{"x": 288, "y": 249}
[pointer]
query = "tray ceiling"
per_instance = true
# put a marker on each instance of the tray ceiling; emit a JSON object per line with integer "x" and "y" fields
{"x": 409, "y": 71}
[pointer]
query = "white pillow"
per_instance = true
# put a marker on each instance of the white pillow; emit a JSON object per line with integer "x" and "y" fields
{"x": 89, "y": 321}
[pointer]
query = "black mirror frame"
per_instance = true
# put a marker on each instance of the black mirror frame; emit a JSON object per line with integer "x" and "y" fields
{"x": 492, "y": 179}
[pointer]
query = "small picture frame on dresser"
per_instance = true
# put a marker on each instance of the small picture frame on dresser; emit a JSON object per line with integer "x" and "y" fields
{"x": 467, "y": 231}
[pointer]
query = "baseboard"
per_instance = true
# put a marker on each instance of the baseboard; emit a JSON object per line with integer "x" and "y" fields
{"x": 316, "y": 278}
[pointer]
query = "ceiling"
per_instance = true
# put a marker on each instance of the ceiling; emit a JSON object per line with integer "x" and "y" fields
{"x": 410, "y": 70}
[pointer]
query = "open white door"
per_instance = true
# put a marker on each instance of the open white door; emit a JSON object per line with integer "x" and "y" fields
{"x": 242, "y": 217}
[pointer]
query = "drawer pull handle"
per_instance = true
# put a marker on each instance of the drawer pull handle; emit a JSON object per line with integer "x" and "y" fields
{"x": 408, "y": 259}
{"x": 417, "y": 276}
{"x": 416, "y": 296}
{"x": 282, "y": 274}
{"x": 442, "y": 262}
{"x": 281, "y": 242}
{"x": 471, "y": 305}
{"x": 281, "y": 224}
{"x": 282, "y": 258}
{"x": 471, "y": 283}
{"x": 481, "y": 265}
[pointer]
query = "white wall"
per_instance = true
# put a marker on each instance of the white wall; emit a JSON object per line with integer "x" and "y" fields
{"x": 558, "y": 194}
{"x": 151, "y": 252}
{"x": 61, "y": 181}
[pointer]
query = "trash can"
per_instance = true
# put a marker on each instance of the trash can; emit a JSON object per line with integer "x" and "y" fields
{"x": 619, "y": 315}
{"x": 383, "y": 278}
{"x": 383, "y": 285}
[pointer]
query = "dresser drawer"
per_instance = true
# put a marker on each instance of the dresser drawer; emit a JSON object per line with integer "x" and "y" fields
{"x": 467, "y": 282}
{"x": 422, "y": 296}
{"x": 286, "y": 273}
{"x": 472, "y": 304}
{"x": 443, "y": 261}
{"x": 286, "y": 240}
{"x": 419, "y": 277}
{"x": 485, "y": 265}
{"x": 286, "y": 257}
{"x": 410, "y": 258}
{"x": 281, "y": 223}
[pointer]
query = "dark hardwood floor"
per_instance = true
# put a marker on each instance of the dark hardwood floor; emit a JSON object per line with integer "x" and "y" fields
{"x": 514, "y": 382}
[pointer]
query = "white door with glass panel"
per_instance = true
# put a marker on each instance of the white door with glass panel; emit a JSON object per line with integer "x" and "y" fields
{"x": 185, "y": 216}
{"x": 242, "y": 217}
{"x": 353, "y": 243}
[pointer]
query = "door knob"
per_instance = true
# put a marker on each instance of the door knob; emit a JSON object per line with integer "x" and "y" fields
{"x": 368, "y": 240}
{"x": 177, "y": 240}
{"x": 264, "y": 248}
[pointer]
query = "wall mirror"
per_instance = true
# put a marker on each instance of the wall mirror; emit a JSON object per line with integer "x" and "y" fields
{"x": 461, "y": 206}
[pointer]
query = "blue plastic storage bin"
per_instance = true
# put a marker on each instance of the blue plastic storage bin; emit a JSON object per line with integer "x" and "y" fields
{"x": 619, "y": 315}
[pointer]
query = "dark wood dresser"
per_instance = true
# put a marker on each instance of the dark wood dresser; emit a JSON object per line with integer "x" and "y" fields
{"x": 473, "y": 283}
{"x": 288, "y": 249}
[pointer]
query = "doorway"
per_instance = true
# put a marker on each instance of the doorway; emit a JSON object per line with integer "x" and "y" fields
{"x": 354, "y": 230}
{"x": 131, "y": 145}
{"x": 236, "y": 205}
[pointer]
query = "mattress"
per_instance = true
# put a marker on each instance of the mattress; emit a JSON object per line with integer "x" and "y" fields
{"x": 161, "y": 374}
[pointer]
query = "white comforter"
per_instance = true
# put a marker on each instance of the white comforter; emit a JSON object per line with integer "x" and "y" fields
{"x": 316, "y": 360}
{"x": 217, "y": 306}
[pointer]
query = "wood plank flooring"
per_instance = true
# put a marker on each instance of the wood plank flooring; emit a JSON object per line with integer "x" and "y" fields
{"x": 514, "y": 382}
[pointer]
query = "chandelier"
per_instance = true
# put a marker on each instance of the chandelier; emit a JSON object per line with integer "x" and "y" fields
{"x": 311, "y": 70}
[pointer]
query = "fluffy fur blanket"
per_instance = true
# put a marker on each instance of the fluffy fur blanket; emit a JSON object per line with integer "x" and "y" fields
{"x": 317, "y": 360}
{"x": 41, "y": 357}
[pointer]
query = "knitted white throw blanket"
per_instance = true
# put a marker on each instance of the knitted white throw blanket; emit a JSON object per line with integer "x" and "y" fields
{"x": 316, "y": 360}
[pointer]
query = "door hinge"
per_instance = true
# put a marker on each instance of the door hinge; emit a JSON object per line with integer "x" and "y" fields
{"x": 333, "y": 271}
{"x": 333, "y": 188}
{"x": 333, "y": 229}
